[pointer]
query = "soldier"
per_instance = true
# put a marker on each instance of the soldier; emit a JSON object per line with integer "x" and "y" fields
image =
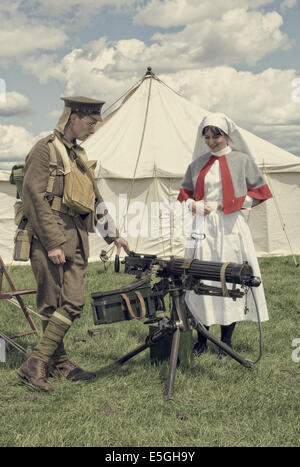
{"x": 60, "y": 226}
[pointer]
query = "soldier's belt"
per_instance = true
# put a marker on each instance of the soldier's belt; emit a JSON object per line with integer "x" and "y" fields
{"x": 57, "y": 205}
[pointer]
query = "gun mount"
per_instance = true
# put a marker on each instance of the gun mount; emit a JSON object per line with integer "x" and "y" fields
{"x": 140, "y": 299}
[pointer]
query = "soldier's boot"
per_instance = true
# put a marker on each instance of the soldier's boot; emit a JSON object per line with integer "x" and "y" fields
{"x": 71, "y": 371}
{"x": 54, "y": 333}
{"x": 61, "y": 365}
{"x": 34, "y": 371}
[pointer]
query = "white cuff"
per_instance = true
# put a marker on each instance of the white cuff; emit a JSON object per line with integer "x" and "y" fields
{"x": 247, "y": 203}
{"x": 189, "y": 203}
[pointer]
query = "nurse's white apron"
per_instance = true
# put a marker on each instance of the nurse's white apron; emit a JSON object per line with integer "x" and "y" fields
{"x": 227, "y": 239}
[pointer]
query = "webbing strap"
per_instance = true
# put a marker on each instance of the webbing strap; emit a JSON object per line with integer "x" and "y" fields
{"x": 53, "y": 167}
{"x": 62, "y": 318}
{"x": 223, "y": 280}
{"x": 57, "y": 205}
{"x": 129, "y": 308}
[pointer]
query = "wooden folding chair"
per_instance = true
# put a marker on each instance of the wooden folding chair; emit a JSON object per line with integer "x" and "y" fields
{"x": 13, "y": 292}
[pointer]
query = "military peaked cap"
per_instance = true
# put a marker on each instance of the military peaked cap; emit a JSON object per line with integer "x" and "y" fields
{"x": 85, "y": 105}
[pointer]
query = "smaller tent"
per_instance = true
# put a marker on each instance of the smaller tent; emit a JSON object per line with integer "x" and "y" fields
{"x": 7, "y": 225}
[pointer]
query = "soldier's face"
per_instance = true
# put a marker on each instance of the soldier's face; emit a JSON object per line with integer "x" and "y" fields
{"x": 83, "y": 127}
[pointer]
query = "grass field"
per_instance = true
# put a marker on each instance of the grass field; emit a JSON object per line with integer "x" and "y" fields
{"x": 217, "y": 402}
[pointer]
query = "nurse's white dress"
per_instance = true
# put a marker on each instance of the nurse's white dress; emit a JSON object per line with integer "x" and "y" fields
{"x": 227, "y": 239}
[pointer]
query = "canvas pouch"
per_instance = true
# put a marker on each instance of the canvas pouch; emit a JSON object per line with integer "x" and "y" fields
{"x": 79, "y": 192}
{"x": 22, "y": 244}
{"x": 78, "y": 189}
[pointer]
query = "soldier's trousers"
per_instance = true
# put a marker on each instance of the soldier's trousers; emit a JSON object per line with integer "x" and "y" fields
{"x": 60, "y": 297}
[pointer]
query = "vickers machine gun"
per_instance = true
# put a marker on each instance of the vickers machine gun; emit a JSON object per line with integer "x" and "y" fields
{"x": 141, "y": 300}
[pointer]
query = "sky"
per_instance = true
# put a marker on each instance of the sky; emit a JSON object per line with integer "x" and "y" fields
{"x": 239, "y": 57}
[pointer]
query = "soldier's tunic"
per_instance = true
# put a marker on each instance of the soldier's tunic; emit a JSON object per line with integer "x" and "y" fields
{"x": 56, "y": 228}
{"x": 58, "y": 285}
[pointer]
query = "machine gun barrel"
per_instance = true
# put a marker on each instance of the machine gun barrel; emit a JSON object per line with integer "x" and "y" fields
{"x": 202, "y": 270}
{"x": 211, "y": 271}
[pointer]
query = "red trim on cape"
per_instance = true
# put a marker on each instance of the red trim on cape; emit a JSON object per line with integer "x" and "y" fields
{"x": 262, "y": 193}
{"x": 199, "y": 188}
{"x": 230, "y": 202}
{"x": 184, "y": 195}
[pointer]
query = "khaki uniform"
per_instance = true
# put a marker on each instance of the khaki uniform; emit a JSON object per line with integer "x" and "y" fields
{"x": 57, "y": 285}
{"x": 60, "y": 287}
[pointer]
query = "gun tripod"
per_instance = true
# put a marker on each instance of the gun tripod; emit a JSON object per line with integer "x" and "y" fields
{"x": 181, "y": 320}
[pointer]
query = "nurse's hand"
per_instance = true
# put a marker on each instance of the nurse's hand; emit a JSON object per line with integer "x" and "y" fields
{"x": 200, "y": 208}
{"x": 220, "y": 207}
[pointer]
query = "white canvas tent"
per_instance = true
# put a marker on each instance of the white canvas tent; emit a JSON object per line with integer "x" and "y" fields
{"x": 7, "y": 225}
{"x": 143, "y": 148}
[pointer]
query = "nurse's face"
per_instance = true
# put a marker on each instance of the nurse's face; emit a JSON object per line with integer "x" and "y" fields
{"x": 215, "y": 142}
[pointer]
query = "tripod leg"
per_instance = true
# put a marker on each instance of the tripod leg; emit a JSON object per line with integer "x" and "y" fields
{"x": 150, "y": 340}
{"x": 173, "y": 363}
{"x": 132, "y": 353}
{"x": 233, "y": 354}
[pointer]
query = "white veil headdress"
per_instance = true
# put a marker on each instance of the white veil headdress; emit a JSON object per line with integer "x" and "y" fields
{"x": 237, "y": 142}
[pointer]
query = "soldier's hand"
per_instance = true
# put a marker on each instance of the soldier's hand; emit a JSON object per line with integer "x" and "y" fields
{"x": 57, "y": 256}
{"x": 122, "y": 243}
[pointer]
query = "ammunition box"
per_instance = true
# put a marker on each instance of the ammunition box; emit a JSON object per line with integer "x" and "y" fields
{"x": 161, "y": 351}
{"x": 133, "y": 301}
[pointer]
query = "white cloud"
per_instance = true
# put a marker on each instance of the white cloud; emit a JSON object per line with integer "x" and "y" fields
{"x": 170, "y": 13}
{"x": 16, "y": 142}
{"x": 287, "y": 136}
{"x": 261, "y": 103}
{"x": 249, "y": 98}
{"x": 64, "y": 14}
{"x": 239, "y": 36}
{"x": 286, "y": 4}
{"x": 103, "y": 67}
{"x": 214, "y": 33}
{"x": 44, "y": 67}
{"x": 99, "y": 69}
{"x": 254, "y": 100}
{"x": 21, "y": 36}
{"x": 197, "y": 61}
{"x": 57, "y": 7}
{"x": 54, "y": 114}
{"x": 14, "y": 104}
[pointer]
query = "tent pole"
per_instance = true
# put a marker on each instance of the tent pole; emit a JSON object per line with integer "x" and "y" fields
{"x": 159, "y": 210}
{"x": 140, "y": 149}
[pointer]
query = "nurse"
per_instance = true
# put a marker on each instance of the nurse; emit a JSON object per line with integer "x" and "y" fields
{"x": 222, "y": 180}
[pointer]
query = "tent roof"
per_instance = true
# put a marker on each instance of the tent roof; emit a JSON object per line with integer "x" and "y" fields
{"x": 142, "y": 140}
{"x": 153, "y": 132}
{"x": 267, "y": 155}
